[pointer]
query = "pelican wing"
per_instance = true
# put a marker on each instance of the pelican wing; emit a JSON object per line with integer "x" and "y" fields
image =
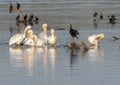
{"x": 16, "y": 39}
{"x": 40, "y": 42}
{"x": 44, "y": 36}
{"x": 29, "y": 42}
{"x": 92, "y": 38}
{"x": 52, "y": 40}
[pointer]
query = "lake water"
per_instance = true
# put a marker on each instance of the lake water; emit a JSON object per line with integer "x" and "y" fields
{"x": 61, "y": 65}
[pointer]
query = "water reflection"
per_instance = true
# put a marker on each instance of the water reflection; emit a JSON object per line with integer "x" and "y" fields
{"x": 95, "y": 54}
{"x": 44, "y": 55}
{"x": 23, "y": 58}
{"x": 52, "y": 56}
{"x": 16, "y": 57}
{"x": 27, "y": 57}
{"x": 73, "y": 49}
{"x": 95, "y": 24}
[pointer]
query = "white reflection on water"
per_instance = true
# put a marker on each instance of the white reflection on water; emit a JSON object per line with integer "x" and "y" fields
{"x": 23, "y": 58}
{"x": 95, "y": 54}
{"x": 16, "y": 57}
{"x": 52, "y": 56}
{"x": 44, "y": 53}
{"x": 28, "y": 57}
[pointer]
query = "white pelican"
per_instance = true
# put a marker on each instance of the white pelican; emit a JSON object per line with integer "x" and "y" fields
{"x": 52, "y": 39}
{"x": 44, "y": 33}
{"x": 33, "y": 40}
{"x": 95, "y": 39}
{"x": 39, "y": 42}
{"x": 19, "y": 38}
{"x": 29, "y": 40}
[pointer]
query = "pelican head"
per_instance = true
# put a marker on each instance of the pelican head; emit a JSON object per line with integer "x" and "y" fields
{"x": 95, "y": 39}
{"x": 29, "y": 33}
{"x": 45, "y": 27}
{"x": 100, "y": 37}
{"x": 27, "y": 28}
{"x": 34, "y": 37}
{"x": 52, "y": 31}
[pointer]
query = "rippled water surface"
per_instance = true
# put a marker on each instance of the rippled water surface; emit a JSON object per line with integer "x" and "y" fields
{"x": 61, "y": 65}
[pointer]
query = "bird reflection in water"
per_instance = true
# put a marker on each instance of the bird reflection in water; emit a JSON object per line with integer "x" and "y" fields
{"x": 52, "y": 55}
{"x": 94, "y": 52}
{"x": 73, "y": 49}
{"x": 42, "y": 56}
{"x": 23, "y": 57}
{"x": 16, "y": 57}
{"x": 29, "y": 59}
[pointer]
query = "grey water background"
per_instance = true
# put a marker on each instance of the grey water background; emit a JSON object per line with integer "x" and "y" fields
{"x": 60, "y": 65}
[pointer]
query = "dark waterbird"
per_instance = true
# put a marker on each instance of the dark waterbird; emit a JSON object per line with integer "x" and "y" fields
{"x": 26, "y": 18}
{"x": 11, "y": 7}
{"x": 73, "y": 32}
{"x": 18, "y": 5}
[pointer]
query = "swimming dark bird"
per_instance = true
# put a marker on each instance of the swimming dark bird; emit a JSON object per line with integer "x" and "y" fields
{"x": 25, "y": 17}
{"x": 101, "y": 16}
{"x": 73, "y": 32}
{"x": 31, "y": 16}
{"x": 95, "y": 14}
{"x": 18, "y": 5}
{"x": 10, "y": 8}
{"x": 36, "y": 18}
{"x": 112, "y": 19}
{"x": 115, "y": 38}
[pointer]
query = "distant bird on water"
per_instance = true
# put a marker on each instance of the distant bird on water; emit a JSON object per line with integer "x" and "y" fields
{"x": 21, "y": 16}
{"x": 73, "y": 32}
{"x": 14, "y": 8}
{"x": 18, "y": 5}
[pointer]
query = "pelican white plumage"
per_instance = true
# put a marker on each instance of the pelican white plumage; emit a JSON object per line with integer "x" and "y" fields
{"x": 29, "y": 40}
{"x": 95, "y": 39}
{"x": 19, "y": 38}
{"x": 43, "y": 35}
{"x": 52, "y": 39}
{"x": 33, "y": 40}
{"x": 39, "y": 42}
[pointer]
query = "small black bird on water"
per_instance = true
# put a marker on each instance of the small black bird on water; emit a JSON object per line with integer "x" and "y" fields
{"x": 18, "y": 5}
{"x": 10, "y": 8}
{"x": 73, "y": 32}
